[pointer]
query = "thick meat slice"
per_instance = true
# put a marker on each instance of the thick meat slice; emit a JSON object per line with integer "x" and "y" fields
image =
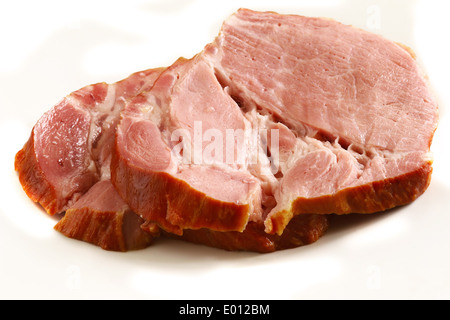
{"x": 70, "y": 146}
{"x": 65, "y": 165}
{"x": 55, "y": 166}
{"x": 358, "y": 104}
{"x": 102, "y": 218}
{"x": 168, "y": 184}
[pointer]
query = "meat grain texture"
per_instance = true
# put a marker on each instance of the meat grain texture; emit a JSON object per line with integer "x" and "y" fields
{"x": 324, "y": 118}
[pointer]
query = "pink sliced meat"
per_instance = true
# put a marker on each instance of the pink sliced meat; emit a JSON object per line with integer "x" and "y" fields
{"x": 65, "y": 165}
{"x": 249, "y": 145}
{"x": 358, "y": 104}
{"x": 352, "y": 113}
{"x": 69, "y": 148}
{"x": 168, "y": 187}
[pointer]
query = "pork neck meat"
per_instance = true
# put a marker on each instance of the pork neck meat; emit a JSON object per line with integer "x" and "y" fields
{"x": 350, "y": 112}
{"x": 69, "y": 149}
{"x": 154, "y": 167}
{"x": 248, "y": 145}
{"x": 65, "y": 165}
{"x": 358, "y": 105}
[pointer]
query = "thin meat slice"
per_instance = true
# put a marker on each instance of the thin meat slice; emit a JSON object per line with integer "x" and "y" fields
{"x": 65, "y": 165}
{"x": 344, "y": 82}
{"x": 102, "y": 218}
{"x": 358, "y": 104}
{"x": 70, "y": 146}
{"x": 155, "y": 166}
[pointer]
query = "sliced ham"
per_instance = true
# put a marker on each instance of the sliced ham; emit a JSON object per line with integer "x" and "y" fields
{"x": 358, "y": 104}
{"x": 171, "y": 188}
{"x": 353, "y": 114}
{"x": 69, "y": 148}
{"x": 65, "y": 165}
{"x": 248, "y": 145}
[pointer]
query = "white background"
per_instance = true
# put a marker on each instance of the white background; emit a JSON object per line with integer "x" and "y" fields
{"x": 50, "y": 48}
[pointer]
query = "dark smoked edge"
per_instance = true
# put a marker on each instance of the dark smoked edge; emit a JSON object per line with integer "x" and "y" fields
{"x": 370, "y": 198}
{"x": 170, "y": 202}
{"x": 105, "y": 229}
{"x": 301, "y": 230}
{"x": 33, "y": 180}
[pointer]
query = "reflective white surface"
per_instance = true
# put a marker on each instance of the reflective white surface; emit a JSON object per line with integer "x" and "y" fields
{"x": 50, "y": 48}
